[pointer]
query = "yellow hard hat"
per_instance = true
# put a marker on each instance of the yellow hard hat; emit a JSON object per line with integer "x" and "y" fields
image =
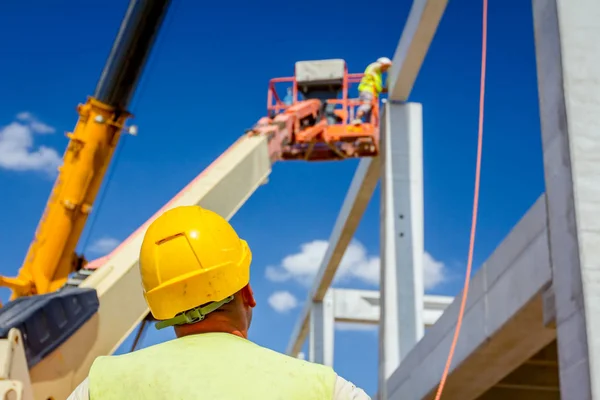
{"x": 191, "y": 256}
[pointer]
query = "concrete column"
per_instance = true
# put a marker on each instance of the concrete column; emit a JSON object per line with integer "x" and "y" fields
{"x": 401, "y": 236}
{"x": 322, "y": 330}
{"x": 568, "y": 63}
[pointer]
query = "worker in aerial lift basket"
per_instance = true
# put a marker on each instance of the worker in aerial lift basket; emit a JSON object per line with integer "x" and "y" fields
{"x": 195, "y": 274}
{"x": 371, "y": 85}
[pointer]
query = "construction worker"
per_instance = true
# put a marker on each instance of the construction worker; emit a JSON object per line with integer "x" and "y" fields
{"x": 195, "y": 274}
{"x": 371, "y": 85}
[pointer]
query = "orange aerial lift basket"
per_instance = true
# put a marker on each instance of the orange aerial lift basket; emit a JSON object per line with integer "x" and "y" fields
{"x": 315, "y": 121}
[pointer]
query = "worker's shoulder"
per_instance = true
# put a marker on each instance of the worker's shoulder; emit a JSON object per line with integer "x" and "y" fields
{"x": 374, "y": 66}
{"x": 342, "y": 388}
{"x": 124, "y": 357}
{"x": 282, "y": 356}
{"x": 297, "y": 363}
{"x": 346, "y": 390}
{"x": 81, "y": 392}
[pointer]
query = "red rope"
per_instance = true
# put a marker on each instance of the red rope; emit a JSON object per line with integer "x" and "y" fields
{"x": 475, "y": 207}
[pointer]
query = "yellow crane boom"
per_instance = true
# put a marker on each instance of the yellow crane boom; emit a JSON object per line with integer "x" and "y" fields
{"x": 51, "y": 256}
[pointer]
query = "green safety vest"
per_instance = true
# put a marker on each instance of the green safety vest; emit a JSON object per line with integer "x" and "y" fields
{"x": 216, "y": 366}
{"x": 372, "y": 80}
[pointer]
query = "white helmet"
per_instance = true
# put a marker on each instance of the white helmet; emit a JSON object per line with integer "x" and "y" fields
{"x": 384, "y": 61}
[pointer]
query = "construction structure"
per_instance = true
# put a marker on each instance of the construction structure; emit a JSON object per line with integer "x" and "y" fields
{"x": 532, "y": 322}
{"x": 531, "y": 328}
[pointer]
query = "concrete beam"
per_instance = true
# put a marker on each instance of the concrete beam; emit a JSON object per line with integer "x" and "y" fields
{"x": 503, "y": 322}
{"x": 537, "y": 378}
{"x": 362, "y": 306}
{"x": 532, "y": 377}
{"x": 503, "y": 393}
{"x": 568, "y": 70}
{"x": 402, "y": 236}
{"x": 414, "y": 43}
{"x": 434, "y": 307}
{"x": 420, "y": 27}
{"x": 322, "y": 331}
{"x": 356, "y": 306}
{"x": 356, "y": 201}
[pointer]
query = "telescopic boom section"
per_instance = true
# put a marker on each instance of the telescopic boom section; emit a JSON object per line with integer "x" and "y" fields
{"x": 51, "y": 256}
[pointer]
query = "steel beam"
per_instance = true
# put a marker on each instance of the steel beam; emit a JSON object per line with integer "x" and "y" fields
{"x": 568, "y": 70}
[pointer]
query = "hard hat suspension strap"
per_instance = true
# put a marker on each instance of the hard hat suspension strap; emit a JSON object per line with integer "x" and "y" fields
{"x": 194, "y": 315}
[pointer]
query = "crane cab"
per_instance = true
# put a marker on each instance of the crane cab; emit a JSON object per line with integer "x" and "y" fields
{"x": 315, "y": 123}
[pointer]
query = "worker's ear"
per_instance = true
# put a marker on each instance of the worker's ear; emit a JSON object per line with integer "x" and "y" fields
{"x": 248, "y": 296}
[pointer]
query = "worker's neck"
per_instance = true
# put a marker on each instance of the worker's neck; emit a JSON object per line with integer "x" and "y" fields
{"x": 214, "y": 324}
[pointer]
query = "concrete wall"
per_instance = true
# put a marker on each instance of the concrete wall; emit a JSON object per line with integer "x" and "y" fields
{"x": 504, "y": 320}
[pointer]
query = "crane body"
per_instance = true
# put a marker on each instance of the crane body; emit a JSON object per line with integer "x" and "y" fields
{"x": 64, "y": 312}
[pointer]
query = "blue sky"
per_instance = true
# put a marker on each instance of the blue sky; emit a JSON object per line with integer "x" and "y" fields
{"x": 206, "y": 83}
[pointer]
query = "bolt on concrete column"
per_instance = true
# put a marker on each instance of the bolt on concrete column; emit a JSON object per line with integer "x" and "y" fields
{"x": 402, "y": 291}
{"x": 322, "y": 330}
{"x": 568, "y": 63}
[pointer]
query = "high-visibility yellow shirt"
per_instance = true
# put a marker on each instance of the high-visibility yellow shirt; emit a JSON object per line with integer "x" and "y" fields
{"x": 372, "y": 79}
{"x": 212, "y": 366}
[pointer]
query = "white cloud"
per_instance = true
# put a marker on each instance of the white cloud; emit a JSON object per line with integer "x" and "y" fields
{"x": 17, "y": 150}
{"x": 25, "y": 116}
{"x": 36, "y": 126}
{"x": 104, "y": 246}
{"x": 356, "y": 264}
{"x": 283, "y": 301}
{"x": 434, "y": 271}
